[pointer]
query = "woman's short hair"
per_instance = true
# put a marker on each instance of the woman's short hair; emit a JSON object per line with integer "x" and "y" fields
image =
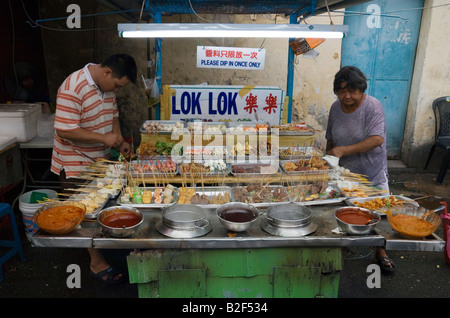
{"x": 353, "y": 76}
{"x": 122, "y": 65}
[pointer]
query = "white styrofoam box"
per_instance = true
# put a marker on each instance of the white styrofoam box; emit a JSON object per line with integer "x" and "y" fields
{"x": 6, "y": 141}
{"x": 19, "y": 120}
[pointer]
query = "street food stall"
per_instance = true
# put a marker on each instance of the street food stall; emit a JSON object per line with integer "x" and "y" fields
{"x": 213, "y": 223}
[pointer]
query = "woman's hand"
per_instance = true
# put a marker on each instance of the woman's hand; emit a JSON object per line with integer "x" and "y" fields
{"x": 337, "y": 151}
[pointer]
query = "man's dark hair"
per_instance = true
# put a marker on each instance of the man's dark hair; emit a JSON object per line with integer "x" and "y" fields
{"x": 122, "y": 65}
{"x": 353, "y": 76}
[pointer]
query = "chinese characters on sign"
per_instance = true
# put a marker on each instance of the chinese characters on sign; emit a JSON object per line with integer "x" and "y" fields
{"x": 230, "y": 58}
{"x": 227, "y": 103}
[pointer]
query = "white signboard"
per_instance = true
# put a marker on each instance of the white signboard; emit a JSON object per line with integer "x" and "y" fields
{"x": 227, "y": 103}
{"x": 230, "y": 58}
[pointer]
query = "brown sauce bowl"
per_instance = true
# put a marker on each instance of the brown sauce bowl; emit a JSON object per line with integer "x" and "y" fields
{"x": 357, "y": 221}
{"x": 120, "y": 221}
{"x": 237, "y": 217}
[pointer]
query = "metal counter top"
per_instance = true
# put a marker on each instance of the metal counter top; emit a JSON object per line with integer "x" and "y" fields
{"x": 147, "y": 237}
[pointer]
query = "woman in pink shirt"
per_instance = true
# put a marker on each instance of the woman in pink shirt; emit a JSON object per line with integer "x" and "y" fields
{"x": 356, "y": 134}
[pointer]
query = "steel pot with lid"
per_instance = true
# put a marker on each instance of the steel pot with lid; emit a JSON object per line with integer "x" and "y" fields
{"x": 289, "y": 220}
{"x": 184, "y": 216}
{"x": 288, "y": 215}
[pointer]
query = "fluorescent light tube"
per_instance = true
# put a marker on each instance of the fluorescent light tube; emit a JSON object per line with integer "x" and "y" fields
{"x": 210, "y": 30}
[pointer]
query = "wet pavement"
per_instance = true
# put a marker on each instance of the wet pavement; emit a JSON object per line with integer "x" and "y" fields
{"x": 418, "y": 274}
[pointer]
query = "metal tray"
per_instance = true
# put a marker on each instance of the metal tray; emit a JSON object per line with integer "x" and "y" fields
{"x": 322, "y": 198}
{"x": 266, "y": 203}
{"x": 92, "y": 215}
{"x": 235, "y": 124}
{"x": 306, "y": 172}
{"x": 164, "y": 131}
{"x": 206, "y": 152}
{"x": 110, "y": 184}
{"x": 198, "y": 174}
{"x": 350, "y": 201}
{"x": 304, "y": 152}
{"x": 254, "y": 169}
{"x": 149, "y": 174}
{"x": 209, "y": 191}
{"x": 152, "y": 204}
{"x": 207, "y": 124}
{"x": 308, "y": 132}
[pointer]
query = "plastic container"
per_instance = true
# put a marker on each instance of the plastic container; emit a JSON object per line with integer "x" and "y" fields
{"x": 6, "y": 141}
{"x": 19, "y": 120}
{"x": 28, "y": 209}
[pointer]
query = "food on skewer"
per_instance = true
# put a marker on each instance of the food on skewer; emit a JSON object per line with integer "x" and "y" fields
{"x": 154, "y": 166}
{"x": 145, "y": 196}
{"x": 315, "y": 163}
{"x": 207, "y": 167}
{"x": 190, "y": 196}
{"x": 257, "y": 193}
{"x": 309, "y": 192}
{"x": 152, "y": 127}
{"x": 379, "y": 203}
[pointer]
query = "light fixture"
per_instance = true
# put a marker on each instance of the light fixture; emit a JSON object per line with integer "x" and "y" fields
{"x": 213, "y": 30}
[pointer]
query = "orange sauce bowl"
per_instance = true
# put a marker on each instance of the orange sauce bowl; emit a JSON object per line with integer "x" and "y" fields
{"x": 412, "y": 221}
{"x": 60, "y": 218}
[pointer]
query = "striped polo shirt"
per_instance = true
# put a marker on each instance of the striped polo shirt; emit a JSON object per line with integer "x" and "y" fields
{"x": 81, "y": 104}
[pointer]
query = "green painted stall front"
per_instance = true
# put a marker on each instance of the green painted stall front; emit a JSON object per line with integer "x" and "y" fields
{"x": 237, "y": 273}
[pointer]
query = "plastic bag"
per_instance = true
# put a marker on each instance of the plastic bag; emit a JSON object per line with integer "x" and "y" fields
{"x": 154, "y": 94}
{"x": 303, "y": 45}
{"x": 446, "y": 232}
{"x": 46, "y": 122}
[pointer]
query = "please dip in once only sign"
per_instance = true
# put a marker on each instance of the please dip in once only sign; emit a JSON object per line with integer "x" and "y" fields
{"x": 230, "y": 57}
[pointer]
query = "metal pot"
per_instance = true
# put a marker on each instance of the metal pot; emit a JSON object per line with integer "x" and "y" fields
{"x": 184, "y": 217}
{"x": 288, "y": 215}
{"x": 237, "y": 217}
{"x": 115, "y": 231}
{"x": 355, "y": 229}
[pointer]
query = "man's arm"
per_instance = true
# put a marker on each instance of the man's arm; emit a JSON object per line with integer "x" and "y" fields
{"x": 89, "y": 137}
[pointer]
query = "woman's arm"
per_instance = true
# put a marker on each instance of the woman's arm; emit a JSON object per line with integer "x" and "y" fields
{"x": 362, "y": 146}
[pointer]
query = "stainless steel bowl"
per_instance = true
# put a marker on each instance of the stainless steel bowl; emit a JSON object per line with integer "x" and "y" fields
{"x": 239, "y": 223}
{"x": 354, "y": 229}
{"x": 115, "y": 231}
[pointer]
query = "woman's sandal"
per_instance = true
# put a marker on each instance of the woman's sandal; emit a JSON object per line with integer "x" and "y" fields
{"x": 109, "y": 275}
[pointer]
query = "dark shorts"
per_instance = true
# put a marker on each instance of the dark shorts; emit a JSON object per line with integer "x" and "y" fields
{"x": 71, "y": 183}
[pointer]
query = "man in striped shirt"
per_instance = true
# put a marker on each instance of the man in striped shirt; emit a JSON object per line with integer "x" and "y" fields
{"x": 87, "y": 126}
{"x": 87, "y": 118}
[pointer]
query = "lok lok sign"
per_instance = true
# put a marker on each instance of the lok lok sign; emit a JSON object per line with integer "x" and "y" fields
{"x": 230, "y": 58}
{"x": 227, "y": 103}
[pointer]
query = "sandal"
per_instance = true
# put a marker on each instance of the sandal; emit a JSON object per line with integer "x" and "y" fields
{"x": 386, "y": 264}
{"x": 108, "y": 275}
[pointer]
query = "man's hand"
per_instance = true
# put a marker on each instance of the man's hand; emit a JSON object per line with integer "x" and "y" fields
{"x": 125, "y": 148}
{"x": 113, "y": 140}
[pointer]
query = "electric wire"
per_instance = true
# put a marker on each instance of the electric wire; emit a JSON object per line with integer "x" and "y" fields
{"x": 14, "y": 50}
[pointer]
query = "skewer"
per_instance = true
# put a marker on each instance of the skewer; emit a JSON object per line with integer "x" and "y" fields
{"x": 80, "y": 190}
